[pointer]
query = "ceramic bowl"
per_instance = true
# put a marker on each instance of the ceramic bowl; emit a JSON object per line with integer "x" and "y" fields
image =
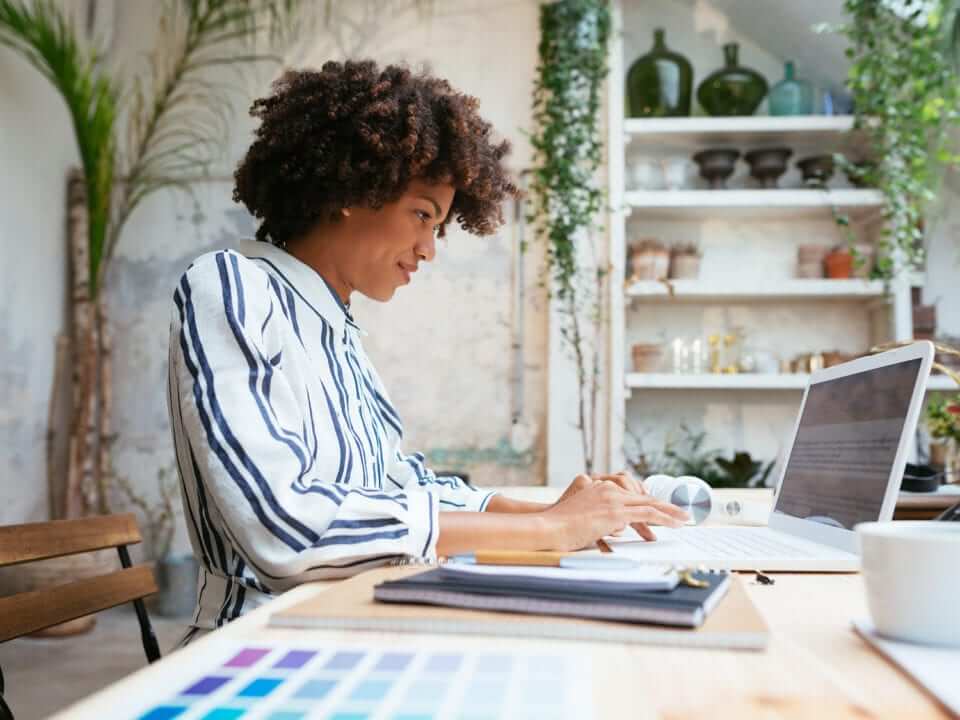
{"x": 768, "y": 164}
{"x": 716, "y": 165}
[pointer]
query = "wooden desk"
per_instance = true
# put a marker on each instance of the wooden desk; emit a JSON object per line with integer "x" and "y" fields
{"x": 815, "y": 666}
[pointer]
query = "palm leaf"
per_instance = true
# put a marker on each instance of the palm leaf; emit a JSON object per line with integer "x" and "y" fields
{"x": 43, "y": 35}
{"x": 178, "y": 117}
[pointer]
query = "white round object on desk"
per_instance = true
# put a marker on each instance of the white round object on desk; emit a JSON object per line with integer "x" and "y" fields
{"x": 687, "y": 492}
{"x": 910, "y": 573}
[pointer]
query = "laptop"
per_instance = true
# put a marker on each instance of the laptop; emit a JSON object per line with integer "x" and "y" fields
{"x": 844, "y": 466}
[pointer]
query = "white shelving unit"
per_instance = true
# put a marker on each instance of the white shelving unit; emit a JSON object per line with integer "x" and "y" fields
{"x": 884, "y": 309}
{"x": 703, "y": 132}
{"x": 703, "y": 291}
{"x": 743, "y": 381}
{"x": 859, "y": 205}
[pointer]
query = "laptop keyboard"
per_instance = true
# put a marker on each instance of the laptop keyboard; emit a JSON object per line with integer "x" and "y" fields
{"x": 736, "y": 542}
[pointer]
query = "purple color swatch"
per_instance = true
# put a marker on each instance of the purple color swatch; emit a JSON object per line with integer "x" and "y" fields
{"x": 206, "y": 685}
{"x": 444, "y": 663}
{"x": 295, "y": 659}
{"x": 393, "y": 661}
{"x": 343, "y": 661}
{"x": 247, "y": 657}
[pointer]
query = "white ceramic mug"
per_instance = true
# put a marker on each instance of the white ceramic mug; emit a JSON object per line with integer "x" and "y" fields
{"x": 911, "y": 570}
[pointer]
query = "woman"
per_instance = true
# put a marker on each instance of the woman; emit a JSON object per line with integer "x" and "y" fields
{"x": 287, "y": 443}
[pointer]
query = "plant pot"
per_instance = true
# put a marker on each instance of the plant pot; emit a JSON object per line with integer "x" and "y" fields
{"x": 659, "y": 83}
{"x": 647, "y": 357}
{"x": 648, "y": 264}
{"x": 716, "y": 165}
{"x": 838, "y": 264}
{"x": 768, "y": 164}
{"x": 816, "y": 170}
{"x": 684, "y": 266}
{"x": 733, "y": 89}
{"x": 938, "y": 453}
{"x": 177, "y": 583}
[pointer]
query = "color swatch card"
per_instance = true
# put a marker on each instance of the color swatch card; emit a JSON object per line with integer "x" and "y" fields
{"x": 286, "y": 682}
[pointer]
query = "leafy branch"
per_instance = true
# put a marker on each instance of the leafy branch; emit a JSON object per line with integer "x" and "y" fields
{"x": 568, "y": 148}
{"x": 906, "y": 95}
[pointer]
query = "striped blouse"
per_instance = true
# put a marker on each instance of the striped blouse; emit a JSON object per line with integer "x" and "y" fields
{"x": 287, "y": 445}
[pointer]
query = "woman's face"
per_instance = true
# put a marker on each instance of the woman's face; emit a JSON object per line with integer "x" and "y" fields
{"x": 387, "y": 245}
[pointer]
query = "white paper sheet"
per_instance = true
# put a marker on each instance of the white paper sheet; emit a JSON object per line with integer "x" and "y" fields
{"x": 935, "y": 668}
{"x": 647, "y": 577}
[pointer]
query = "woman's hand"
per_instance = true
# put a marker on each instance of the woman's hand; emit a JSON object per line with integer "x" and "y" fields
{"x": 591, "y": 509}
{"x": 622, "y": 479}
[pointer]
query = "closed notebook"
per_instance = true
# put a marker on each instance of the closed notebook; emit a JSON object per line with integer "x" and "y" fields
{"x": 349, "y": 605}
{"x": 542, "y": 595}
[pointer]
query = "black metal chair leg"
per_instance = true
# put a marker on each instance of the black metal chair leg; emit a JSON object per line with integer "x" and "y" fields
{"x": 147, "y": 636}
{"x": 5, "y": 713}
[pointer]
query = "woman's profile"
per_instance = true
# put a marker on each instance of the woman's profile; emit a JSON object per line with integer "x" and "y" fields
{"x": 289, "y": 448}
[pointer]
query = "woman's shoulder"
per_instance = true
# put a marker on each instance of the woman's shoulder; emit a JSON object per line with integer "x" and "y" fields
{"x": 218, "y": 274}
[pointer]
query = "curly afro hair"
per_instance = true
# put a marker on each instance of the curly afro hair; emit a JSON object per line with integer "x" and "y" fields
{"x": 355, "y": 135}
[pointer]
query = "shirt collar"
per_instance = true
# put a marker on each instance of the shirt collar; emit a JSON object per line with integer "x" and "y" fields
{"x": 310, "y": 285}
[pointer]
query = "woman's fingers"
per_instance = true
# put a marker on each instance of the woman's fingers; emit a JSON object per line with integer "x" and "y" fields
{"x": 644, "y": 531}
{"x": 623, "y": 480}
{"x": 652, "y": 515}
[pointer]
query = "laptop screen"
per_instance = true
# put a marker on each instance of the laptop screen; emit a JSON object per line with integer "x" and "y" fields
{"x": 846, "y": 443}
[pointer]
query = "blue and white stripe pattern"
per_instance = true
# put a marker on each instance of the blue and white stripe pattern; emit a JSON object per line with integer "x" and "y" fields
{"x": 287, "y": 444}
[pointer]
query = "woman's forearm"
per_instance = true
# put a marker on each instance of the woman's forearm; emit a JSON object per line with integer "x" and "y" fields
{"x": 500, "y": 504}
{"x": 462, "y": 532}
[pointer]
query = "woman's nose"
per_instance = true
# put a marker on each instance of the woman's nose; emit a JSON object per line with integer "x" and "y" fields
{"x": 426, "y": 249}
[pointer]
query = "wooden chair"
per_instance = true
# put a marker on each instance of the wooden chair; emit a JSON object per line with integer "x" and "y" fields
{"x": 28, "y": 612}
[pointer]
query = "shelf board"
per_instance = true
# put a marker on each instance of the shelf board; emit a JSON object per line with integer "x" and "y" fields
{"x": 741, "y": 381}
{"x": 706, "y": 204}
{"x": 742, "y": 132}
{"x": 785, "y": 289}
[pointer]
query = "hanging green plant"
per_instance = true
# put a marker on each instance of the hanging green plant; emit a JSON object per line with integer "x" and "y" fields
{"x": 906, "y": 96}
{"x": 568, "y": 150}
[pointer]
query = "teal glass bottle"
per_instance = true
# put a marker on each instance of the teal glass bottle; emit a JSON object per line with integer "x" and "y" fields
{"x": 732, "y": 90}
{"x": 791, "y": 96}
{"x": 659, "y": 83}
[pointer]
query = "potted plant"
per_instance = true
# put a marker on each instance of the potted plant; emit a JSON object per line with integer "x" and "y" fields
{"x": 649, "y": 260}
{"x": 943, "y": 423}
{"x": 685, "y": 261}
{"x": 838, "y": 263}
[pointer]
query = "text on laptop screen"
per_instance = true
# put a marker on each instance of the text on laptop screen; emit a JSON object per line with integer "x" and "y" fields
{"x": 846, "y": 444}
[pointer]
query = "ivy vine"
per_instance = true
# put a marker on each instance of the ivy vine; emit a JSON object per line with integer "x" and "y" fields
{"x": 568, "y": 151}
{"x": 906, "y": 96}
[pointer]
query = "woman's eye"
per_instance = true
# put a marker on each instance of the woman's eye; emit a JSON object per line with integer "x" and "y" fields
{"x": 424, "y": 217}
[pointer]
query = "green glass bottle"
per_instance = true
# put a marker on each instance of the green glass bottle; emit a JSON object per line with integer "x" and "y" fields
{"x": 659, "y": 83}
{"x": 732, "y": 90}
{"x": 791, "y": 96}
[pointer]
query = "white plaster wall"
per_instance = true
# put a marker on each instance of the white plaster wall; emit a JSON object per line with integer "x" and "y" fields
{"x": 443, "y": 343}
{"x": 36, "y": 148}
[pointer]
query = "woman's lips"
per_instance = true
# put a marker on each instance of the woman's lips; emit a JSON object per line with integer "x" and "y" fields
{"x": 407, "y": 271}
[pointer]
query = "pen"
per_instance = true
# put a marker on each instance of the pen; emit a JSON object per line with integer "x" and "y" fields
{"x": 546, "y": 559}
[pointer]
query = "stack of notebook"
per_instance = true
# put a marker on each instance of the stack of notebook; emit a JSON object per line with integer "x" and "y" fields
{"x": 644, "y": 596}
{"x": 446, "y": 600}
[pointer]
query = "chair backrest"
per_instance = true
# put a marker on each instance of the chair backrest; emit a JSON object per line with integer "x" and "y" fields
{"x": 34, "y": 610}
